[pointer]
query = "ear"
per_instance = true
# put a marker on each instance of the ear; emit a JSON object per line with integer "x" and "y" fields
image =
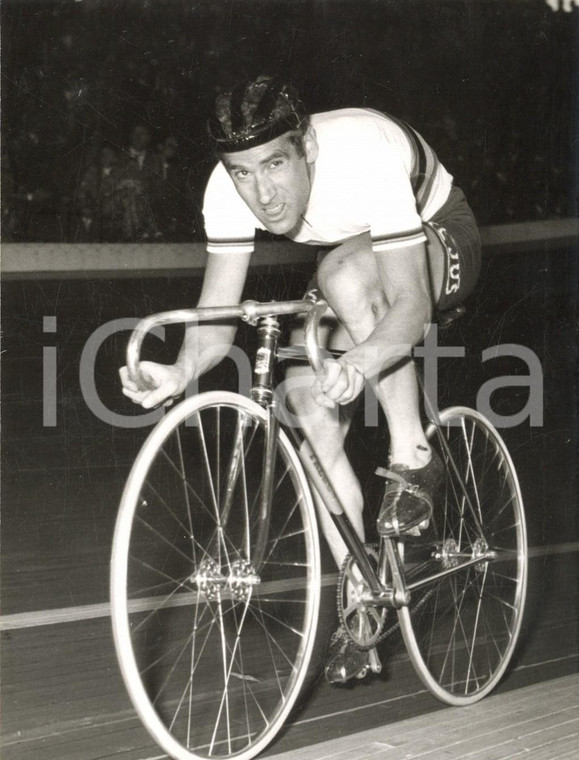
{"x": 311, "y": 145}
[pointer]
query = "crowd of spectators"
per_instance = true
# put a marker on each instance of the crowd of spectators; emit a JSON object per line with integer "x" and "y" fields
{"x": 135, "y": 193}
{"x": 102, "y": 137}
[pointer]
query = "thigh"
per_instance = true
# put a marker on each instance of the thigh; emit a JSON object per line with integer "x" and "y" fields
{"x": 326, "y": 429}
{"x": 355, "y": 259}
{"x": 331, "y": 333}
{"x": 346, "y": 275}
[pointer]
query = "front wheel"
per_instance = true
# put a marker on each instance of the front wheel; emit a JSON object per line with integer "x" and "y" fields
{"x": 468, "y": 571}
{"x": 214, "y": 589}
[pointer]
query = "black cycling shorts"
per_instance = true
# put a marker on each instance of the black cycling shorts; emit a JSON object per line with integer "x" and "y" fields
{"x": 456, "y": 228}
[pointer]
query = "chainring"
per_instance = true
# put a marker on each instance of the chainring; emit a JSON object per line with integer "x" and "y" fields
{"x": 363, "y": 621}
{"x": 370, "y": 629}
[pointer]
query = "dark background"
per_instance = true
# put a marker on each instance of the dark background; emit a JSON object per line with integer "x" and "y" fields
{"x": 490, "y": 83}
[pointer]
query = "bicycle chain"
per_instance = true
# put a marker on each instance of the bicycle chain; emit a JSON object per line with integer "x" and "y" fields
{"x": 388, "y": 631}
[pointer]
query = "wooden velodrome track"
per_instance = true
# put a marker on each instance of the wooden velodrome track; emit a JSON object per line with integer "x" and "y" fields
{"x": 62, "y": 697}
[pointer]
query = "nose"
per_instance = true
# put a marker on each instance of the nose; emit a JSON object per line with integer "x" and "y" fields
{"x": 265, "y": 189}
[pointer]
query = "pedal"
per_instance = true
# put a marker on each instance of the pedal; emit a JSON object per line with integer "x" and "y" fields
{"x": 375, "y": 663}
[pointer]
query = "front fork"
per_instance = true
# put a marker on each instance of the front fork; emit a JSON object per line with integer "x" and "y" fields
{"x": 261, "y": 393}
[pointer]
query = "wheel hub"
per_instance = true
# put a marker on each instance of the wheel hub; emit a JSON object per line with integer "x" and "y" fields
{"x": 480, "y": 549}
{"x": 242, "y": 579}
{"x": 209, "y": 579}
{"x": 212, "y": 583}
{"x": 450, "y": 554}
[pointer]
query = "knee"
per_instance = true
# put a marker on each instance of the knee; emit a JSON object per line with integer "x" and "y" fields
{"x": 298, "y": 396}
{"x": 323, "y": 425}
{"x": 294, "y": 393}
{"x": 351, "y": 286}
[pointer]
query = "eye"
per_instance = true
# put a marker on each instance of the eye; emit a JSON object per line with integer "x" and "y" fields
{"x": 275, "y": 163}
{"x": 241, "y": 174}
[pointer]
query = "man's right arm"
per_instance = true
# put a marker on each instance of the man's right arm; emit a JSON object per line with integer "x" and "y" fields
{"x": 204, "y": 345}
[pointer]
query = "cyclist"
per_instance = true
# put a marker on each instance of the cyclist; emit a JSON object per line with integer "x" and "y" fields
{"x": 396, "y": 240}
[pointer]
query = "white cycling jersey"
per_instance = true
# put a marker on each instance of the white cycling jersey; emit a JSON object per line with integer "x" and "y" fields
{"x": 372, "y": 173}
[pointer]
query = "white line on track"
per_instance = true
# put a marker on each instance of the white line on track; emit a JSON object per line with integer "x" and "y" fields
{"x": 94, "y": 611}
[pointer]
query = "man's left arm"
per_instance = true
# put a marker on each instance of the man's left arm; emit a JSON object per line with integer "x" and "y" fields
{"x": 405, "y": 282}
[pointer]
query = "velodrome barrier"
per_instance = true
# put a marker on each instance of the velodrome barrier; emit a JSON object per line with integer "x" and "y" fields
{"x": 64, "y": 260}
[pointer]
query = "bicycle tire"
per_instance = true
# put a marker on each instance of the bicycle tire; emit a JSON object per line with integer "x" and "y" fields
{"x": 464, "y": 633}
{"x": 212, "y": 650}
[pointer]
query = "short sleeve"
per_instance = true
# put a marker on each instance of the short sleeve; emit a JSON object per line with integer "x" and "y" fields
{"x": 229, "y": 224}
{"x": 393, "y": 217}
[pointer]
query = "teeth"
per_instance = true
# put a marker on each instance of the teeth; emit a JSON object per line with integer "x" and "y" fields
{"x": 275, "y": 210}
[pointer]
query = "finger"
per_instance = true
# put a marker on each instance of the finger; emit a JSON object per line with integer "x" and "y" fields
{"x": 320, "y": 397}
{"x": 323, "y": 400}
{"x": 144, "y": 384}
{"x": 355, "y": 384}
{"x": 159, "y": 395}
{"x": 339, "y": 387}
{"x": 126, "y": 380}
{"x": 331, "y": 372}
{"x": 331, "y": 383}
{"x": 346, "y": 386}
{"x": 347, "y": 397}
{"x": 136, "y": 396}
{"x": 338, "y": 382}
{"x": 148, "y": 379}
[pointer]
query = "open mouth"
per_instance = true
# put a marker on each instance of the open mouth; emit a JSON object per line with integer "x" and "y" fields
{"x": 274, "y": 212}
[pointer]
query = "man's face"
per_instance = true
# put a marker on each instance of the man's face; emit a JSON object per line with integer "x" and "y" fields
{"x": 274, "y": 180}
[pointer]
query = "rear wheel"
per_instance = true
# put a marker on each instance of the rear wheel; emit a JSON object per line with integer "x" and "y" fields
{"x": 461, "y": 626}
{"x": 214, "y": 598}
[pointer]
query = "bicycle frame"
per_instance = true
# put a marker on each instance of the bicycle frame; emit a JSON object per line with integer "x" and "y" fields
{"x": 219, "y": 523}
{"x": 264, "y": 315}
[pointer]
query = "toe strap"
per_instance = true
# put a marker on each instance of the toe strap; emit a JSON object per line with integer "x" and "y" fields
{"x": 390, "y": 475}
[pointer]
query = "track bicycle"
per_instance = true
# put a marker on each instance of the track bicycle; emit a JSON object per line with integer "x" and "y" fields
{"x": 216, "y": 570}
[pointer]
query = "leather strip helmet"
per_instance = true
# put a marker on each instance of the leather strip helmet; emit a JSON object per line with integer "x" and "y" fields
{"x": 254, "y": 113}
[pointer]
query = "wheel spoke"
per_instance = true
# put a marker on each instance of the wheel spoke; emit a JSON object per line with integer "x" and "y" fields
{"x": 462, "y": 632}
{"x": 214, "y": 650}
